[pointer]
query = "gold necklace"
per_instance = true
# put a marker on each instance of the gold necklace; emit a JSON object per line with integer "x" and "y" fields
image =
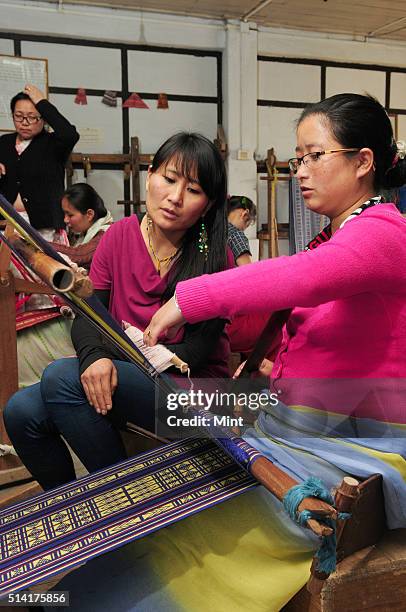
{"x": 164, "y": 260}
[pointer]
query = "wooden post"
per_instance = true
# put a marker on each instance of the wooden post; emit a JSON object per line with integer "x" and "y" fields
{"x": 69, "y": 172}
{"x": 11, "y": 468}
{"x": 8, "y": 334}
{"x": 272, "y": 222}
{"x": 135, "y": 174}
{"x": 221, "y": 142}
{"x": 8, "y": 344}
{"x": 345, "y": 497}
{"x": 12, "y": 471}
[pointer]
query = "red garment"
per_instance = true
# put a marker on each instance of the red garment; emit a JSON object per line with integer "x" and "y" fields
{"x": 83, "y": 253}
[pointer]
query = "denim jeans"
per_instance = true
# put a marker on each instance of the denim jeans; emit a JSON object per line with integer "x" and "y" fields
{"x": 37, "y": 418}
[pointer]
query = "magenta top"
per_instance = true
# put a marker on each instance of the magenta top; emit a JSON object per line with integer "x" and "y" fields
{"x": 348, "y": 298}
{"x": 122, "y": 265}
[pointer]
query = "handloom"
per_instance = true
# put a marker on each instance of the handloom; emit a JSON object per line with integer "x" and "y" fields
{"x": 62, "y": 528}
{"x": 240, "y": 452}
{"x": 17, "y": 349}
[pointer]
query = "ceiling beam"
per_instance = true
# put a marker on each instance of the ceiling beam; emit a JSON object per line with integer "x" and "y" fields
{"x": 386, "y": 26}
{"x": 256, "y": 9}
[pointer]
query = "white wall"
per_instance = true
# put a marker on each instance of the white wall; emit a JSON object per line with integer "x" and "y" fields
{"x": 250, "y": 129}
{"x": 99, "y": 68}
{"x": 110, "y": 24}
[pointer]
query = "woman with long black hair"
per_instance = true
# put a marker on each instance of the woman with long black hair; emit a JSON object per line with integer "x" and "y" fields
{"x": 134, "y": 270}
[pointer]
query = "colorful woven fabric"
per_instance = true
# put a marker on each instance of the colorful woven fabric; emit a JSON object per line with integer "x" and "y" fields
{"x": 64, "y": 527}
{"x": 30, "y": 318}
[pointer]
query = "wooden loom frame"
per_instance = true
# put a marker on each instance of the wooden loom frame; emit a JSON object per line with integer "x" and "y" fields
{"x": 131, "y": 162}
{"x": 271, "y": 234}
{"x": 369, "y": 493}
{"x": 12, "y": 470}
{"x": 276, "y": 171}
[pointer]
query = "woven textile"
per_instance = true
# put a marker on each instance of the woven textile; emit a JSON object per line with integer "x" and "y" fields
{"x": 304, "y": 224}
{"x": 33, "y": 317}
{"x": 64, "y": 527}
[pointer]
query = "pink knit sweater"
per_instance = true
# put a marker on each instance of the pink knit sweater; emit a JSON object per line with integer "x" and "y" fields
{"x": 348, "y": 298}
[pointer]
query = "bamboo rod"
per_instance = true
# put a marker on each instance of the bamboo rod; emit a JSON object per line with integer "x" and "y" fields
{"x": 58, "y": 276}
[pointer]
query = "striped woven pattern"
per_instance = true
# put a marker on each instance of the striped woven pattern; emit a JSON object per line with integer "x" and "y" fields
{"x": 69, "y": 525}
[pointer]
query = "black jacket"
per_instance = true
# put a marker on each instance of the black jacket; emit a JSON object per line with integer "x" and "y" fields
{"x": 38, "y": 174}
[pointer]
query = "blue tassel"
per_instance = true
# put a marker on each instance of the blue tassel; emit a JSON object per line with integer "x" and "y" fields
{"x": 313, "y": 487}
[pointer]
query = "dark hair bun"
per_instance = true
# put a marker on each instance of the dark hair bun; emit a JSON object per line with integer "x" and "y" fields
{"x": 396, "y": 174}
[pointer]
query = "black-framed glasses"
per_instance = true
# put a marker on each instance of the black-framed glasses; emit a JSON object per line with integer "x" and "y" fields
{"x": 30, "y": 119}
{"x": 311, "y": 158}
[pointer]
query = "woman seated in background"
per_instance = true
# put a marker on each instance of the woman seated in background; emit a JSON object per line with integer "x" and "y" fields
{"x": 243, "y": 331}
{"x": 47, "y": 340}
{"x": 134, "y": 270}
{"x": 86, "y": 219}
{"x": 241, "y": 213}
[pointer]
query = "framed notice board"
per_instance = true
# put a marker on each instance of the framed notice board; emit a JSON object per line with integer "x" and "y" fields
{"x": 15, "y": 73}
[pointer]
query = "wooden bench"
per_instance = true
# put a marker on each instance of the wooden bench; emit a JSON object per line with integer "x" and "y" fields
{"x": 370, "y": 580}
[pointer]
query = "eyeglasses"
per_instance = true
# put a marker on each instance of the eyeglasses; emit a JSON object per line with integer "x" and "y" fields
{"x": 30, "y": 119}
{"x": 312, "y": 158}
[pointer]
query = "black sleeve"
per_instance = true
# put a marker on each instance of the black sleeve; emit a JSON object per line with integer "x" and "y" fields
{"x": 65, "y": 133}
{"x": 199, "y": 342}
{"x": 89, "y": 343}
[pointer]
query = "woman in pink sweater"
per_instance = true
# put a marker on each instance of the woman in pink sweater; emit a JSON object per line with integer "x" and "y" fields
{"x": 347, "y": 296}
{"x": 348, "y": 321}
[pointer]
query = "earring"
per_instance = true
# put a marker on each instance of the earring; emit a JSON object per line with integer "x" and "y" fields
{"x": 203, "y": 242}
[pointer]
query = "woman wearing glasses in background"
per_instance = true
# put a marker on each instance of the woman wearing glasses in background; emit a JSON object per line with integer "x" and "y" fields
{"x": 32, "y": 160}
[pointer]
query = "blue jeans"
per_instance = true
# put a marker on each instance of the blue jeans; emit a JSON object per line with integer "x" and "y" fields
{"x": 37, "y": 417}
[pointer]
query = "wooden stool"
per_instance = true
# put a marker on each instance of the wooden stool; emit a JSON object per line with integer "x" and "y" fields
{"x": 373, "y": 578}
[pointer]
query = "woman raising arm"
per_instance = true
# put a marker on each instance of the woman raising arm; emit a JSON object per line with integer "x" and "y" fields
{"x": 32, "y": 160}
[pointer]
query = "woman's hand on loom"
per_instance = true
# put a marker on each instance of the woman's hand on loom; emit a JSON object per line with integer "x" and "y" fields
{"x": 265, "y": 368}
{"x": 166, "y": 321}
{"x": 99, "y": 382}
{"x": 2, "y": 170}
